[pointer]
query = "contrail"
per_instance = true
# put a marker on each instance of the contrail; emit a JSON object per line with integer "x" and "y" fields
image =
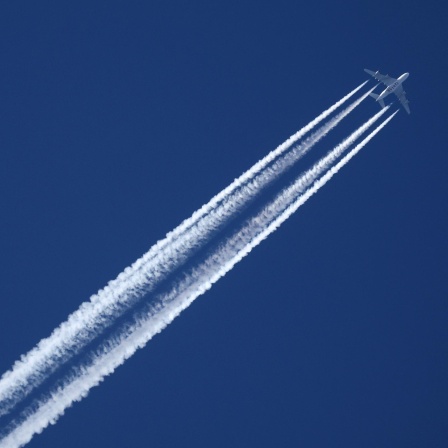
{"x": 187, "y": 290}
{"x": 92, "y": 317}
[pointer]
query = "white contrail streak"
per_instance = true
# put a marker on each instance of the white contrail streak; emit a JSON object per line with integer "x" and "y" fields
{"x": 186, "y": 291}
{"x": 91, "y": 318}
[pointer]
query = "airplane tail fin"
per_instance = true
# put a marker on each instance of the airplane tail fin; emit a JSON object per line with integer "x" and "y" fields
{"x": 375, "y": 96}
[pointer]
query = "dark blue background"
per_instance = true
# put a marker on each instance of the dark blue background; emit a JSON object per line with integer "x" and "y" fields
{"x": 119, "y": 119}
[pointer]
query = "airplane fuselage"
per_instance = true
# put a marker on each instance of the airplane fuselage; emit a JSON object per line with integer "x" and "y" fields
{"x": 393, "y": 86}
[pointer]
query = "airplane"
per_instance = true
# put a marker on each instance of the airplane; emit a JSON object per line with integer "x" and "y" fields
{"x": 393, "y": 85}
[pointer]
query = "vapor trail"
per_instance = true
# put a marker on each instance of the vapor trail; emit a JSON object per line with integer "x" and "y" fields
{"x": 215, "y": 266}
{"x": 92, "y": 317}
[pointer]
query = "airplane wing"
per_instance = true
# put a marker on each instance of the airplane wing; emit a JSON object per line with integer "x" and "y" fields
{"x": 401, "y": 95}
{"x": 385, "y": 79}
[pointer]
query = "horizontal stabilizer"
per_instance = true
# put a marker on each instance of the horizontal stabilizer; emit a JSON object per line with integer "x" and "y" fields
{"x": 374, "y": 95}
{"x": 370, "y": 72}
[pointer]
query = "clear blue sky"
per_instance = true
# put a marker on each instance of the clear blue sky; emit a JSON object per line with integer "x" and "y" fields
{"x": 119, "y": 119}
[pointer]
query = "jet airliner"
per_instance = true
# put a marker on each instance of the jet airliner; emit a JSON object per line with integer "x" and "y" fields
{"x": 393, "y": 85}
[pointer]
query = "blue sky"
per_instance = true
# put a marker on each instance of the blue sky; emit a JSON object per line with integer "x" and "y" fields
{"x": 119, "y": 119}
